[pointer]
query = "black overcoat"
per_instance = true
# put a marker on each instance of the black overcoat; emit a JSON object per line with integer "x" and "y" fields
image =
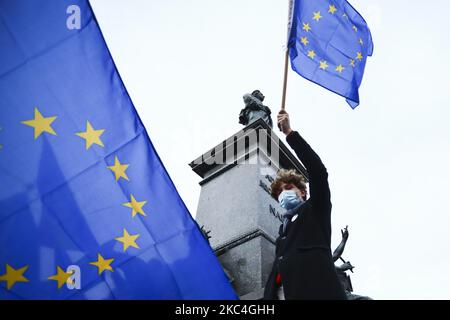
{"x": 303, "y": 252}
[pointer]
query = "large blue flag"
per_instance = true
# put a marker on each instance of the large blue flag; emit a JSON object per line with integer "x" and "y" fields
{"x": 329, "y": 43}
{"x": 87, "y": 209}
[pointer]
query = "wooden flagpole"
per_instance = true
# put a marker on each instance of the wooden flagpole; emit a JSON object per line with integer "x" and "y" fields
{"x": 286, "y": 65}
{"x": 286, "y": 57}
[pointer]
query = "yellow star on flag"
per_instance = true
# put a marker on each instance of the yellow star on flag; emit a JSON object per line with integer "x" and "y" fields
{"x": 311, "y": 54}
{"x": 317, "y": 16}
{"x": 128, "y": 240}
{"x": 119, "y": 169}
{"x": 61, "y": 277}
{"x": 355, "y": 28}
{"x": 12, "y": 276}
{"x": 136, "y": 206}
{"x": 91, "y": 136}
{"x": 361, "y": 42}
{"x": 102, "y": 264}
{"x": 40, "y": 124}
{"x": 352, "y": 62}
{"x": 304, "y": 40}
{"x": 359, "y": 56}
{"x": 340, "y": 68}
{"x": 332, "y": 9}
{"x": 323, "y": 65}
{"x": 306, "y": 27}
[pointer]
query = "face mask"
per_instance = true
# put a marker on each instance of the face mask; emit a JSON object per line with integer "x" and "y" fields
{"x": 288, "y": 199}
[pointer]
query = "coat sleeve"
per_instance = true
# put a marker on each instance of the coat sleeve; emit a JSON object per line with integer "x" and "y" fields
{"x": 317, "y": 173}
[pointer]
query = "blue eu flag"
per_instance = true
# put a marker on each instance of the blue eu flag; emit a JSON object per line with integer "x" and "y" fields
{"x": 329, "y": 43}
{"x": 87, "y": 209}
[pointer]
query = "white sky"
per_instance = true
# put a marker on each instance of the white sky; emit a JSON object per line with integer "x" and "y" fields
{"x": 186, "y": 65}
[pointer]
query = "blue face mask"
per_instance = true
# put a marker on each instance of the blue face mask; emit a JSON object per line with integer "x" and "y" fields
{"x": 288, "y": 199}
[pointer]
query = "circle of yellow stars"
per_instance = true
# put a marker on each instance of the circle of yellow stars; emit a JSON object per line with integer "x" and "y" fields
{"x": 42, "y": 124}
{"x": 323, "y": 64}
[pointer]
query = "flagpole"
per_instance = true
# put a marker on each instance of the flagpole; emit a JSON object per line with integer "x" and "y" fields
{"x": 286, "y": 63}
{"x": 286, "y": 57}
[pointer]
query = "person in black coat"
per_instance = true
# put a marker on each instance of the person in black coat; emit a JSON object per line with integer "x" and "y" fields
{"x": 303, "y": 266}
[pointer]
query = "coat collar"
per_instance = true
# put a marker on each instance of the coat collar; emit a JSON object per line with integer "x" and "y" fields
{"x": 287, "y": 217}
{"x": 291, "y": 212}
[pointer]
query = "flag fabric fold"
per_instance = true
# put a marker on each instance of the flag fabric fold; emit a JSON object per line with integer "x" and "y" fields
{"x": 329, "y": 42}
{"x": 87, "y": 209}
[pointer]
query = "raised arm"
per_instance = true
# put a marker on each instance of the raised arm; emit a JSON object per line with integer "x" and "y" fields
{"x": 317, "y": 173}
{"x": 340, "y": 249}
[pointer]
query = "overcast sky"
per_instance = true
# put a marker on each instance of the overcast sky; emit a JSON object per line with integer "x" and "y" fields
{"x": 187, "y": 63}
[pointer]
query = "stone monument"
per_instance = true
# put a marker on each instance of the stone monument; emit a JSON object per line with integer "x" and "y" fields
{"x": 238, "y": 215}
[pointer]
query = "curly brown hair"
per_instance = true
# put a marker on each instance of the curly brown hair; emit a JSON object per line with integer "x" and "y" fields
{"x": 289, "y": 177}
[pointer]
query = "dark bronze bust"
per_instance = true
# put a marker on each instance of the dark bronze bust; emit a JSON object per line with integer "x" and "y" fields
{"x": 254, "y": 109}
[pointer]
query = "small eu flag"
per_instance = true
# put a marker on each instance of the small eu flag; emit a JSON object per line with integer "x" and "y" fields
{"x": 329, "y": 43}
{"x": 87, "y": 209}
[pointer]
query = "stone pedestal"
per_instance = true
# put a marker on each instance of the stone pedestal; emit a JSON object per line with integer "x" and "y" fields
{"x": 236, "y": 207}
